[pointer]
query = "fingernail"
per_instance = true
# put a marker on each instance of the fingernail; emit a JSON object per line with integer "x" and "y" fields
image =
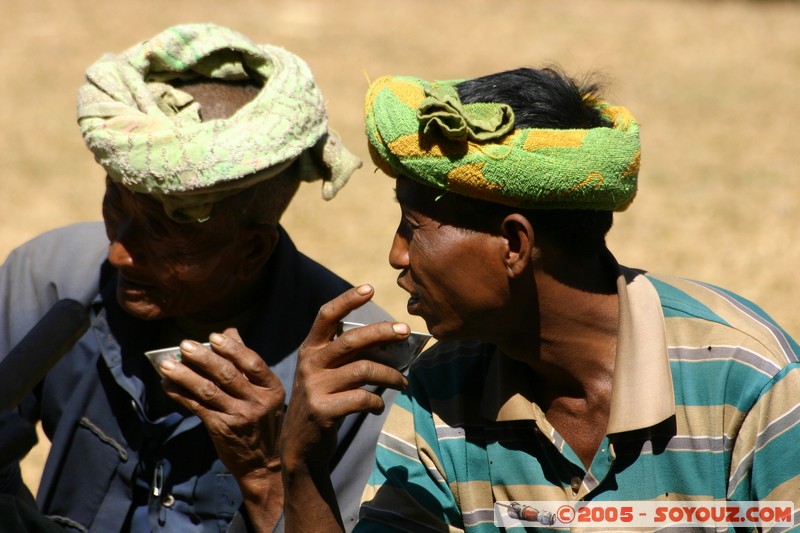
{"x": 401, "y": 329}
{"x": 167, "y": 365}
{"x": 217, "y": 339}
{"x": 364, "y": 289}
{"x": 187, "y": 347}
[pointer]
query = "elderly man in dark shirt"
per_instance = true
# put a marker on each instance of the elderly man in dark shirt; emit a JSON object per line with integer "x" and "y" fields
{"x": 205, "y": 137}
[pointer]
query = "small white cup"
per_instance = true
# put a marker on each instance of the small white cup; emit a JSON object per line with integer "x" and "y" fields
{"x": 173, "y": 353}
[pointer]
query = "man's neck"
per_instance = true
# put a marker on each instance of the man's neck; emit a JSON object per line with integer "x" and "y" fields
{"x": 572, "y": 316}
{"x": 572, "y": 354}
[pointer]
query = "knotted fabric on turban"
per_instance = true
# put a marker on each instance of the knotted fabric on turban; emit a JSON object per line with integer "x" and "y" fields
{"x": 422, "y": 130}
{"x": 148, "y": 135}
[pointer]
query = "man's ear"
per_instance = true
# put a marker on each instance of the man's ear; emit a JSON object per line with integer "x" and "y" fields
{"x": 518, "y": 233}
{"x": 256, "y": 246}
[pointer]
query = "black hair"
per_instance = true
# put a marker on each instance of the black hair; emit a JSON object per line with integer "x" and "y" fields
{"x": 542, "y": 98}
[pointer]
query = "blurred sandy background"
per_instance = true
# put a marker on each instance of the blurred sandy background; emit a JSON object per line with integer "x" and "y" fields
{"x": 714, "y": 85}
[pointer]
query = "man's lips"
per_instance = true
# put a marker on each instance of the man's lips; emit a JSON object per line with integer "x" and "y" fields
{"x": 403, "y": 282}
{"x": 133, "y": 285}
{"x": 413, "y": 299}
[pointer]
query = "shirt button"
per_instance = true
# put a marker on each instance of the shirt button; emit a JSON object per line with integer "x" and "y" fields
{"x": 575, "y": 483}
{"x": 168, "y": 501}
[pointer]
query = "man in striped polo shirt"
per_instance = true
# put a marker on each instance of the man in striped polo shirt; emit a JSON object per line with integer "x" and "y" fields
{"x": 559, "y": 374}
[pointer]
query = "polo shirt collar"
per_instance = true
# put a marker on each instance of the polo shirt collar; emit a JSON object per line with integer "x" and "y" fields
{"x": 642, "y": 394}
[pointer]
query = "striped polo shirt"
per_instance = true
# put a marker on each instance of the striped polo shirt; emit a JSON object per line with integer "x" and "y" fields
{"x": 705, "y": 405}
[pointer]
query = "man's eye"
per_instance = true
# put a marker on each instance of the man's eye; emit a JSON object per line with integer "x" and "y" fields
{"x": 406, "y": 228}
{"x": 111, "y": 209}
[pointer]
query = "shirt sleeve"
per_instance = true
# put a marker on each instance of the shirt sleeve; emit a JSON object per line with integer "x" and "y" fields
{"x": 408, "y": 489}
{"x": 352, "y": 464}
{"x": 62, "y": 263}
{"x": 765, "y": 464}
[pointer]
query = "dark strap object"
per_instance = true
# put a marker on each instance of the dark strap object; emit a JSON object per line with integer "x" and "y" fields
{"x": 27, "y": 363}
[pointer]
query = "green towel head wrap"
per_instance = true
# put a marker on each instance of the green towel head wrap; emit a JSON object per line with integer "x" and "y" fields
{"x": 422, "y": 130}
{"x": 148, "y": 135}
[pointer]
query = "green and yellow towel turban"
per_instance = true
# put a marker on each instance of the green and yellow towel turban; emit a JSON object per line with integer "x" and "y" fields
{"x": 421, "y": 130}
{"x": 148, "y": 134}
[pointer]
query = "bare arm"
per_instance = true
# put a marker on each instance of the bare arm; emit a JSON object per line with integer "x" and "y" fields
{"x": 327, "y": 387}
{"x": 241, "y": 403}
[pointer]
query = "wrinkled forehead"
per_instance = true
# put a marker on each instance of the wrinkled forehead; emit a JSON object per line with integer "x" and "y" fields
{"x": 120, "y": 200}
{"x": 450, "y": 208}
{"x": 115, "y": 190}
{"x": 413, "y": 195}
{"x": 444, "y": 207}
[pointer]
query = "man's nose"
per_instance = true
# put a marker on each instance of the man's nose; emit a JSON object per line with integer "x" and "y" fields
{"x": 126, "y": 249}
{"x": 118, "y": 255}
{"x": 398, "y": 254}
